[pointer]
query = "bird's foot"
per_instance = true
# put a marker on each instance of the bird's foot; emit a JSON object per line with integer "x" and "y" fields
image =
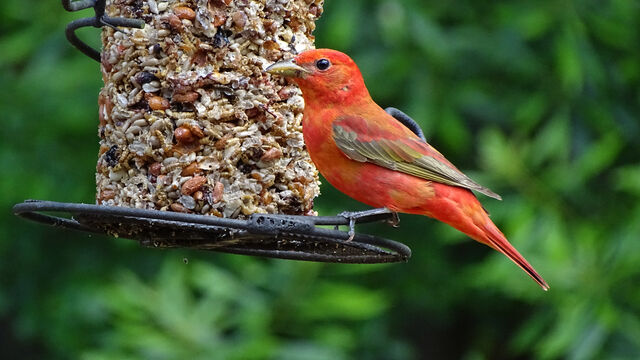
{"x": 395, "y": 219}
{"x": 355, "y": 216}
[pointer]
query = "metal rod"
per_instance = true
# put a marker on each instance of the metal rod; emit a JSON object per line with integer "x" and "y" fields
{"x": 79, "y": 44}
{"x": 71, "y": 5}
{"x": 99, "y": 19}
{"x": 407, "y": 121}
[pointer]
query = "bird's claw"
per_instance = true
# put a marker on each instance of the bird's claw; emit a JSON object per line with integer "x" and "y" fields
{"x": 352, "y": 229}
{"x": 353, "y": 216}
{"x": 395, "y": 220}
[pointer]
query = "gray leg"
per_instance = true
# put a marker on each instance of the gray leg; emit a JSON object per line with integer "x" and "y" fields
{"x": 395, "y": 221}
{"x": 354, "y": 216}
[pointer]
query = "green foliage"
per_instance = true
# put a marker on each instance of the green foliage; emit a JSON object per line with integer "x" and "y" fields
{"x": 536, "y": 99}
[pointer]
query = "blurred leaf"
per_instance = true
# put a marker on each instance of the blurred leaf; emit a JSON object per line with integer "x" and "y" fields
{"x": 568, "y": 62}
{"x": 341, "y": 28}
{"x": 335, "y": 300}
{"x": 551, "y": 142}
{"x": 628, "y": 179}
{"x": 598, "y": 156}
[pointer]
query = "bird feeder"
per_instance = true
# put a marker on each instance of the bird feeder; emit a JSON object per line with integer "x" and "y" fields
{"x": 199, "y": 147}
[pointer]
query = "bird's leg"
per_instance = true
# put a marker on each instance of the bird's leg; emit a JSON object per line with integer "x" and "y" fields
{"x": 354, "y": 216}
{"x": 395, "y": 220}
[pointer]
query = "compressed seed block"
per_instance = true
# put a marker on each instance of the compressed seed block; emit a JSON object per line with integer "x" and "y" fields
{"x": 189, "y": 120}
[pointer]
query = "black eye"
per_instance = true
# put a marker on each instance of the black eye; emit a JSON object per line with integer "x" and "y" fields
{"x": 323, "y": 64}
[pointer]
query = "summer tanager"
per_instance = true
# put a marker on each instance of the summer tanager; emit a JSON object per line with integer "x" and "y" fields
{"x": 367, "y": 154}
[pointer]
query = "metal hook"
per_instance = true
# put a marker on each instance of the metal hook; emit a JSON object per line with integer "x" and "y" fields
{"x": 407, "y": 121}
{"x": 100, "y": 19}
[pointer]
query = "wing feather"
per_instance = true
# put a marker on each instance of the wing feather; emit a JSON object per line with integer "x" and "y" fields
{"x": 402, "y": 151}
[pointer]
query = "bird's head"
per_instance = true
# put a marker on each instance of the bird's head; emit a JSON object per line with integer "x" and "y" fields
{"x": 323, "y": 73}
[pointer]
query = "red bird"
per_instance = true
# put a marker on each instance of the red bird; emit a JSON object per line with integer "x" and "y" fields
{"x": 372, "y": 157}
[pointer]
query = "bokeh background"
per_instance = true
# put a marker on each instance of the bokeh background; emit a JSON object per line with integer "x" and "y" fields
{"x": 539, "y": 100}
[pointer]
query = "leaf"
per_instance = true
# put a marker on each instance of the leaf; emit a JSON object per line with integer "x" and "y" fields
{"x": 344, "y": 301}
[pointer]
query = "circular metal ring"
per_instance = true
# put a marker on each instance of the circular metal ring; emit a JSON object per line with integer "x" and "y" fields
{"x": 276, "y": 236}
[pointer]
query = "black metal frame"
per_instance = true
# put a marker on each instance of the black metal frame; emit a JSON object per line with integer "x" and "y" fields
{"x": 100, "y": 19}
{"x": 407, "y": 121}
{"x": 275, "y": 236}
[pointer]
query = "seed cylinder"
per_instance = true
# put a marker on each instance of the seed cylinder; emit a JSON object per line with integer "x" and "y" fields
{"x": 189, "y": 120}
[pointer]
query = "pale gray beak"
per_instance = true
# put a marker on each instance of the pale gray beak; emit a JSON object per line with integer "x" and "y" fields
{"x": 287, "y": 68}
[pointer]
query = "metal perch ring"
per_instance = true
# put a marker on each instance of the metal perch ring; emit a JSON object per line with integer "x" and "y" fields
{"x": 276, "y": 236}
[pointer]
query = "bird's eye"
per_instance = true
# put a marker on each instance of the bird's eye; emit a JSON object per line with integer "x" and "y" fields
{"x": 323, "y": 64}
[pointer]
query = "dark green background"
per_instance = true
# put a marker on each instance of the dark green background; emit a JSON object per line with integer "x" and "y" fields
{"x": 539, "y": 100}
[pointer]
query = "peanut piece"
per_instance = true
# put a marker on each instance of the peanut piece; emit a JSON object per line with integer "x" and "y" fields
{"x": 158, "y": 103}
{"x": 192, "y": 185}
{"x": 190, "y": 170}
{"x": 178, "y": 208}
{"x": 271, "y": 154}
{"x": 183, "y": 135}
{"x": 218, "y": 191}
{"x": 184, "y": 12}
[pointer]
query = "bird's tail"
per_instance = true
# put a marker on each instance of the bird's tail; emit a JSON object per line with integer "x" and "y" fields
{"x": 461, "y": 209}
{"x": 495, "y": 239}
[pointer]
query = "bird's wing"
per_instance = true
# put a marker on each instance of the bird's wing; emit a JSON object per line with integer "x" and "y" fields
{"x": 394, "y": 148}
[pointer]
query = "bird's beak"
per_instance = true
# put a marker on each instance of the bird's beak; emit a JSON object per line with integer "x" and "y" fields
{"x": 287, "y": 68}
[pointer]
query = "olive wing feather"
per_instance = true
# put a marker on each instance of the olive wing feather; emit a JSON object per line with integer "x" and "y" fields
{"x": 364, "y": 141}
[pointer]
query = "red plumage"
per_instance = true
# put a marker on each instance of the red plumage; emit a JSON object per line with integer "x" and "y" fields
{"x": 370, "y": 156}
